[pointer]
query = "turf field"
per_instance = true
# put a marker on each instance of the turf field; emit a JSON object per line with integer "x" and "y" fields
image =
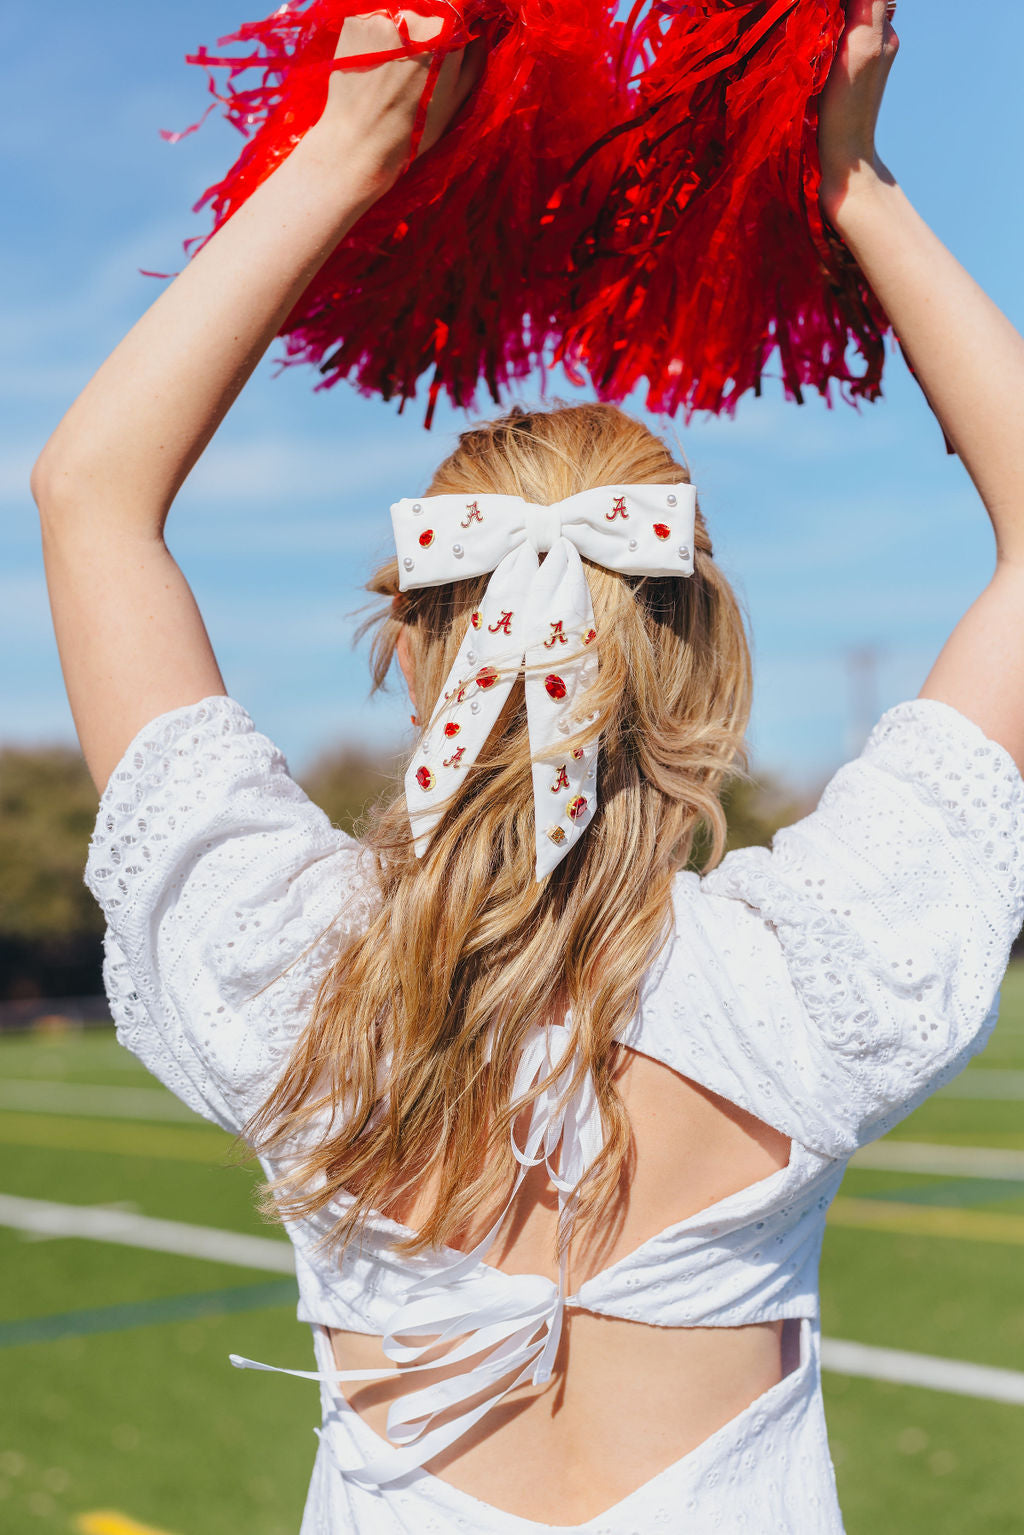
{"x": 119, "y": 1414}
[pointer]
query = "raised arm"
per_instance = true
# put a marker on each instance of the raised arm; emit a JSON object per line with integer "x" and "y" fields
{"x": 131, "y": 638}
{"x": 967, "y": 355}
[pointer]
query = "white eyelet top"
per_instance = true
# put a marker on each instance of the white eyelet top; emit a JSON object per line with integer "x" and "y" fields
{"x": 826, "y": 987}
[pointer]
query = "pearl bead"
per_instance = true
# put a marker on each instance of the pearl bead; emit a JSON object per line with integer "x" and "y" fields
{"x": 471, "y": 657}
{"x": 671, "y": 500}
{"x": 633, "y": 544}
{"x": 417, "y": 508}
{"x": 563, "y": 727}
{"x": 458, "y": 551}
{"x": 408, "y": 563}
{"x": 475, "y": 706}
{"x": 684, "y": 553}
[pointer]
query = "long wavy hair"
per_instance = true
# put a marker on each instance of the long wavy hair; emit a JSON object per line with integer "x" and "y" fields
{"x": 407, "y": 1065}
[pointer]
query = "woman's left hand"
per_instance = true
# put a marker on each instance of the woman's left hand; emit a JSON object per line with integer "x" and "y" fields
{"x": 852, "y": 99}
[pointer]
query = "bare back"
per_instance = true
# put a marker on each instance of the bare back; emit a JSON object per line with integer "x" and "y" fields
{"x": 627, "y": 1399}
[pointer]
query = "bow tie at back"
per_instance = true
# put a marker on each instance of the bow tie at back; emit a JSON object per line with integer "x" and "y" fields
{"x": 536, "y": 613}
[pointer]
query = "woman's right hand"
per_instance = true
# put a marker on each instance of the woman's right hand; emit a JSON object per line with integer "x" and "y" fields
{"x": 131, "y": 638}
{"x": 372, "y": 111}
{"x": 852, "y": 99}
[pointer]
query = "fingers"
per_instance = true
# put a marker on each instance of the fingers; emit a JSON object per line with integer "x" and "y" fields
{"x": 473, "y": 58}
{"x": 457, "y": 77}
{"x": 422, "y": 29}
{"x": 878, "y": 14}
{"x": 381, "y": 31}
{"x": 875, "y": 17}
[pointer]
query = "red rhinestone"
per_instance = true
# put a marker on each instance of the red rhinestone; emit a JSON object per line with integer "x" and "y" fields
{"x": 662, "y": 530}
{"x": 577, "y": 752}
{"x": 452, "y": 729}
{"x": 555, "y": 686}
{"x": 476, "y": 620}
{"x": 590, "y": 637}
{"x": 576, "y": 807}
{"x": 425, "y": 778}
{"x": 486, "y": 677}
{"x": 427, "y": 537}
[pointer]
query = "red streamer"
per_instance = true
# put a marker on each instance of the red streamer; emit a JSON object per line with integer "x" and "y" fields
{"x": 709, "y": 253}
{"x": 638, "y": 201}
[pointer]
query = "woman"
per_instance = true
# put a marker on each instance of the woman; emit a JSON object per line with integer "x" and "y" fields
{"x": 553, "y": 1126}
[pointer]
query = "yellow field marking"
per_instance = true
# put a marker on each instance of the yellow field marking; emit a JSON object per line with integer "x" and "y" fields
{"x": 107, "y": 1522}
{"x": 928, "y": 1221}
{"x": 164, "y": 1142}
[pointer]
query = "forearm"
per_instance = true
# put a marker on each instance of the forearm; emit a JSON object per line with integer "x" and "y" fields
{"x": 124, "y": 448}
{"x": 965, "y": 352}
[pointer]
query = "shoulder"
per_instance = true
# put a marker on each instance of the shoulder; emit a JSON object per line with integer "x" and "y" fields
{"x": 854, "y": 967}
{"x": 928, "y": 819}
{"x": 227, "y": 894}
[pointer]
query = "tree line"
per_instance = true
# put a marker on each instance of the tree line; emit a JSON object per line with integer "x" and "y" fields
{"x": 50, "y": 927}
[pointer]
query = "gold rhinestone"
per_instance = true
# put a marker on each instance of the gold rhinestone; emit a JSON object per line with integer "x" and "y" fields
{"x": 556, "y": 834}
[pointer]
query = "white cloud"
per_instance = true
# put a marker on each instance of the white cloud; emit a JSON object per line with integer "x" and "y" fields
{"x": 290, "y": 470}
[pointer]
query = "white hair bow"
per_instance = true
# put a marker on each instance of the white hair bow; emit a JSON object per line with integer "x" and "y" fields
{"x": 536, "y": 614}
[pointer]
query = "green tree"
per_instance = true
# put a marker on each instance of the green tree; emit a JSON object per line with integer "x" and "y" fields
{"x": 348, "y": 782}
{"x": 50, "y": 926}
{"x": 755, "y": 809}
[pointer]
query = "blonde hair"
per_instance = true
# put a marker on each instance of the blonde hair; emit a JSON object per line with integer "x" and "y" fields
{"x": 412, "y": 1048}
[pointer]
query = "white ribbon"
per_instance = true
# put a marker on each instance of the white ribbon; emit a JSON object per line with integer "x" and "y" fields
{"x": 536, "y": 614}
{"x": 510, "y": 1325}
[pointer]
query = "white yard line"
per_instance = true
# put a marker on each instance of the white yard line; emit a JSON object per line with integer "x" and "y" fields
{"x": 891, "y": 1156}
{"x": 34, "y": 1097}
{"x": 98, "y": 1224}
{"x": 923, "y": 1370}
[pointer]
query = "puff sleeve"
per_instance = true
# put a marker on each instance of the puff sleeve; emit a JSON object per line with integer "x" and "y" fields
{"x": 893, "y": 908}
{"x": 226, "y": 893}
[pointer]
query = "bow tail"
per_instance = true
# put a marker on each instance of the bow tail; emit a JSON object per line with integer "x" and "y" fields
{"x": 560, "y": 665}
{"x": 474, "y": 693}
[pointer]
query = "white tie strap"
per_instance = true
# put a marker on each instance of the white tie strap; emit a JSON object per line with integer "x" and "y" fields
{"x": 504, "y": 1328}
{"x": 535, "y": 614}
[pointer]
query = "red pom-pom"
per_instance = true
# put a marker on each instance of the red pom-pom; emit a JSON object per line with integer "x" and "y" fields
{"x": 708, "y": 250}
{"x": 441, "y": 274}
{"x": 635, "y": 200}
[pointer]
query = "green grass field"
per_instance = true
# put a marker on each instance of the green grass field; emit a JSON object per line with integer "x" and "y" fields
{"x": 116, "y": 1394}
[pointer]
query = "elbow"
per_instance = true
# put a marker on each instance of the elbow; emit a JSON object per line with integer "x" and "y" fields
{"x": 39, "y": 481}
{"x": 46, "y": 481}
{"x": 56, "y": 484}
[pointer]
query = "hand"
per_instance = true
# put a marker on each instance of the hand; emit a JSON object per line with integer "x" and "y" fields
{"x": 372, "y": 111}
{"x": 852, "y": 99}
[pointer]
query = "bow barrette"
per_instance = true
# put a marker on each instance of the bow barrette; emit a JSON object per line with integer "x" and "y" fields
{"x": 534, "y": 614}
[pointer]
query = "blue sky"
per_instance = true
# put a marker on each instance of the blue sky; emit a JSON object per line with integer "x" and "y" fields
{"x": 842, "y": 529}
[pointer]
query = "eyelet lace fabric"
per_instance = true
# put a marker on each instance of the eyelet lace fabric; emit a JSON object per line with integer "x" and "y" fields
{"x": 893, "y": 906}
{"x": 227, "y": 894}
{"x": 826, "y": 987}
